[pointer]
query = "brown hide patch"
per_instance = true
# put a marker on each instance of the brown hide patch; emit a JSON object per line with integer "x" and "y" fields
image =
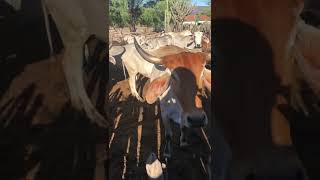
{"x": 166, "y": 51}
{"x": 191, "y": 61}
{"x": 207, "y": 79}
{"x": 206, "y": 45}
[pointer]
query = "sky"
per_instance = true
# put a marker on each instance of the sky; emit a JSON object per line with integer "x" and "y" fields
{"x": 200, "y": 2}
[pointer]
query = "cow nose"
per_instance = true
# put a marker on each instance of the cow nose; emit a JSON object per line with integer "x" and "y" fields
{"x": 197, "y": 119}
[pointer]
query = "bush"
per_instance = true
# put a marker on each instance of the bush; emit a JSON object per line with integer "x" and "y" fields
{"x": 153, "y": 16}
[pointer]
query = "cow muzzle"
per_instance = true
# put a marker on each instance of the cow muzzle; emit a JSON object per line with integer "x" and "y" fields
{"x": 198, "y": 45}
{"x": 196, "y": 119}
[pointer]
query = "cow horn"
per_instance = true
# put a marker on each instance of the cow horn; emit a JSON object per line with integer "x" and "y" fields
{"x": 148, "y": 57}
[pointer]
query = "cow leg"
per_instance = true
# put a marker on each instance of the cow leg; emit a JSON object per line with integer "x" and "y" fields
{"x": 183, "y": 139}
{"x": 168, "y": 136}
{"x": 73, "y": 71}
{"x": 132, "y": 84}
{"x": 73, "y": 28}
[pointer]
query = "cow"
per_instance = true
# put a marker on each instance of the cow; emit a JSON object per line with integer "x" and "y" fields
{"x": 75, "y": 26}
{"x": 135, "y": 64}
{"x": 182, "y": 33}
{"x": 201, "y": 41}
{"x": 114, "y": 51}
{"x": 198, "y": 38}
{"x": 254, "y": 42}
{"x": 178, "y": 90}
{"x": 157, "y": 42}
{"x": 128, "y": 39}
{"x": 179, "y": 38}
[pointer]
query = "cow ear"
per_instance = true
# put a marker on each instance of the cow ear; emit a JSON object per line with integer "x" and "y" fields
{"x": 207, "y": 78}
{"x": 156, "y": 88}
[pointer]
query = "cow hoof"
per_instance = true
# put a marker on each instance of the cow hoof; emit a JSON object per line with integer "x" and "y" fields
{"x": 167, "y": 151}
{"x": 167, "y": 155}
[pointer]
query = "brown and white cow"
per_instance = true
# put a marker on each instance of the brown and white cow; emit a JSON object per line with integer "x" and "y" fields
{"x": 254, "y": 42}
{"x": 135, "y": 64}
{"x": 178, "y": 90}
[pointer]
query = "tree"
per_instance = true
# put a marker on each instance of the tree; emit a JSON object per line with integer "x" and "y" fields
{"x": 147, "y": 17}
{"x": 118, "y": 13}
{"x": 134, "y": 12}
{"x": 179, "y": 9}
{"x": 153, "y": 16}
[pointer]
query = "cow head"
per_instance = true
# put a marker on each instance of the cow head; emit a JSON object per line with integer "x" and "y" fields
{"x": 198, "y": 38}
{"x": 182, "y": 39}
{"x": 185, "y": 78}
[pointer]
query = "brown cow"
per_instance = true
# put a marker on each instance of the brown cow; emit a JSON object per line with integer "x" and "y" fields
{"x": 178, "y": 90}
{"x": 253, "y": 42}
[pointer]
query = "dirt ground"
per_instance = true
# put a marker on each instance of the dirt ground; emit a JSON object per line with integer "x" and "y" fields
{"x": 41, "y": 136}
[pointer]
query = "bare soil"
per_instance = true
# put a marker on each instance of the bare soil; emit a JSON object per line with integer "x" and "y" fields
{"x": 41, "y": 136}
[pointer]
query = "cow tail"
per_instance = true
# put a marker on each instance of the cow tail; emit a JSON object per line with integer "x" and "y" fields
{"x": 47, "y": 25}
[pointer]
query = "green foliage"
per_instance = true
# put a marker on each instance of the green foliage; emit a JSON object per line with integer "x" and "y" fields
{"x": 154, "y": 16}
{"x": 147, "y": 17}
{"x": 207, "y": 11}
{"x": 118, "y": 13}
{"x": 124, "y": 13}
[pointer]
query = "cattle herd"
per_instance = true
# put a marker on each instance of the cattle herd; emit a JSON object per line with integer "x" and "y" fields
{"x": 265, "y": 54}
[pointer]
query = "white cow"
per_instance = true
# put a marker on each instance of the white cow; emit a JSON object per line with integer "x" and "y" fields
{"x": 182, "y": 33}
{"x": 76, "y": 20}
{"x": 179, "y": 37}
{"x": 198, "y": 38}
{"x": 128, "y": 39}
{"x": 114, "y": 51}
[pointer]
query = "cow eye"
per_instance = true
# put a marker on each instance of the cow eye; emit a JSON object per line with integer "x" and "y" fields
{"x": 174, "y": 77}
